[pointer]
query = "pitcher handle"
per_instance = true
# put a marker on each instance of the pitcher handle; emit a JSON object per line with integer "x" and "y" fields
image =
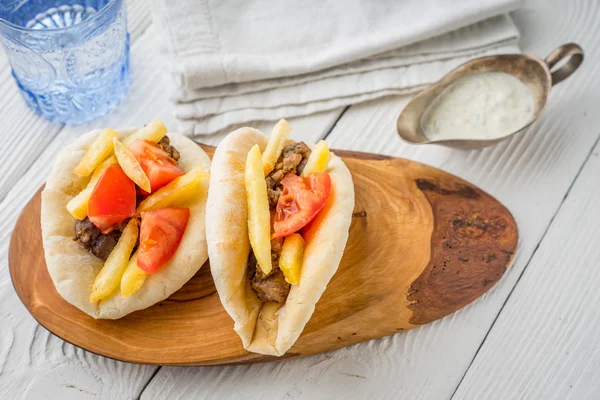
{"x": 574, "y": 55}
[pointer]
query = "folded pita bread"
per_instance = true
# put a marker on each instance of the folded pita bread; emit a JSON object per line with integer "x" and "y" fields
{"x": 269, "y": 328}
{"x": 73, "y": 269}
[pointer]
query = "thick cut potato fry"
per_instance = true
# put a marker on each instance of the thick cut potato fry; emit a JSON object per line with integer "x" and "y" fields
{"x": 175, "y": 192}
{"x": 290, "y": 260}
{"x": 259, "y": 217}
{"x": 98, "y": 151}
{"x": 78, "y": 205}
{"x": 318, "y": 160}
{"x": 133, "y": 277}
{"x": 275, "y": 145}
{"x": 152, "y": 132}
{"x": 131, "y": 166}
{"x": 109, "y": 277}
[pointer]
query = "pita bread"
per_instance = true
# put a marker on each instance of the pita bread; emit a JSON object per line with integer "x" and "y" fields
{"x": 269, "y": 328}
{"x": 73, "y": 269}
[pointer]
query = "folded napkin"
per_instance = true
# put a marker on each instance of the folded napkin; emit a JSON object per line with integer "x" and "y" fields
{"x": 236, "y": 62}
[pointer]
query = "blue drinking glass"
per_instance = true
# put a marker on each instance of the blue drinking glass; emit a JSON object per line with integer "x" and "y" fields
{"x": 70, "y": 58}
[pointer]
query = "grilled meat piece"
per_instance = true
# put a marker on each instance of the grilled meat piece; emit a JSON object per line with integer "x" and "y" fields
{"x": 92, "y": 239}
{"x": 293, "y": 158}
{"x": 165, "y": 144}
{"x": 271, "y": 287}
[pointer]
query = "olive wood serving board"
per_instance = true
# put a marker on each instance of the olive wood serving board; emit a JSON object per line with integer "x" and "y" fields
{"x": 423, "y": 244}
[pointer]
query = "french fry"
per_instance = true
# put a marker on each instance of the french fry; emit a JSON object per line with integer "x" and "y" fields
{"x": 175, "y": 192}
{"x": 131, "y": 166}
{"x": 290, "y": 260}
{"x": 78, "y": 205}
{"x": 109, "y": 277}
{"x": 275, "y": 145}
{"x": 259, "y": 217}
{"x": 98, "y": 151}
{"x": 318, "y": 159}
{"x": 133, "y": 277}
{"x": 153, "y": 132}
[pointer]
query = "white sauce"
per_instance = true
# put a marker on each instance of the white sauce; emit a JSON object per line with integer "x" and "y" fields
{"x": 483, "y": 105}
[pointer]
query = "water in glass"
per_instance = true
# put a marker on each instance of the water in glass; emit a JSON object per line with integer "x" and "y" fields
{"x": 70, "y": 59}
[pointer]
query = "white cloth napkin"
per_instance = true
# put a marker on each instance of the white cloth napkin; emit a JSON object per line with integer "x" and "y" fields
{"x": 236, "y": 62}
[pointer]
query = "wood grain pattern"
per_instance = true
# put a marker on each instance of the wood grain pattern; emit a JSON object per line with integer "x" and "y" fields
{"x": 389, "y": 262}
{"x": 550, "y": 323}
{"x": 477, "y": 238}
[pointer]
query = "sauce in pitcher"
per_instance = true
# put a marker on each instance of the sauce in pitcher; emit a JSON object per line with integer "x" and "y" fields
{"x": 483, "y": 105}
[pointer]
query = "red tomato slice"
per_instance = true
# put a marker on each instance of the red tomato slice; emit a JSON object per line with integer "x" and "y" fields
{"x": 112, "y": 200}
{"x": 160, "y": 234}
{"x": 300, "y": 201}
{"x": 156, "y": 163}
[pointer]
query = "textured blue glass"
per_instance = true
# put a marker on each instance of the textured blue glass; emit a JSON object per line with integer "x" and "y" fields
{"x": 70, "y": 59}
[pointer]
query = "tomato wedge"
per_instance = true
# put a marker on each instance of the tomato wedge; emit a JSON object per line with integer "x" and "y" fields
{"x": 156, "y": 163}
{"x": 112, "y": 200}
{"x": 300, "y": 201}
{"x": 160, "y": 235}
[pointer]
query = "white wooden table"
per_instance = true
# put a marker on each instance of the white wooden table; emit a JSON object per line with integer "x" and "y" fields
{"x": 535, "y": 335}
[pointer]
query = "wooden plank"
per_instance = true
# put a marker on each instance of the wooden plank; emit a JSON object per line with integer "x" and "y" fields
{"x": 34, "y": 363}
{"x": 27, "y": 133}
{"x": 545, "y": 343}
{"x": 138, "y": 18}
{"x": 529, "y": 173}
{"x": 24, "y": 131}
